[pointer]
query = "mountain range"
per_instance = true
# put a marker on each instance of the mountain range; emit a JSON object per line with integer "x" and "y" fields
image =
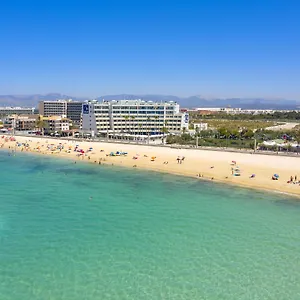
{"x": 187, "y": 102}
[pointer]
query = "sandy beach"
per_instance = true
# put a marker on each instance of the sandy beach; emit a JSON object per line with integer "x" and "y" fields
{"x": 202, "y": 164}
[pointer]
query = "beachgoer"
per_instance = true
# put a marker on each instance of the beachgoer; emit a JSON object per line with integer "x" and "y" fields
{"x": 291, "y": 179}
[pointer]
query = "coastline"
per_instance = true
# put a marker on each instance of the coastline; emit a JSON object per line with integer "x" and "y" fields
{"x": 213, "y": 166}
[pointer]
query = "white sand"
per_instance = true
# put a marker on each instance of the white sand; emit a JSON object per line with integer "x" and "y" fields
{"x": 196, "y": 161}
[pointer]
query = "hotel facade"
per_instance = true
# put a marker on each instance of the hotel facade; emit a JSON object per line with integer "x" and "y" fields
{"x": 133, "y": 117}
{"x": 69, "y": 108}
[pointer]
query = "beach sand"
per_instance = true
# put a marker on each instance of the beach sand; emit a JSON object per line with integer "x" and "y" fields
{"x": 211, "y": 165}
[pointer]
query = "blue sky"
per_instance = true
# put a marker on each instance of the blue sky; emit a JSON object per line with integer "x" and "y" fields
{"x": 91, "y": 48}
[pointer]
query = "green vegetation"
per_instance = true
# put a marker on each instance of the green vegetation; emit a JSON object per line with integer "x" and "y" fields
{"x": 233, "y": 138}
{"x": 289, "y": 116}
{"x": 239, "y": 124}
{"x": 41, "y": 124}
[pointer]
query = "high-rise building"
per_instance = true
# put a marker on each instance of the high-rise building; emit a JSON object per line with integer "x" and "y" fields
{"x": 69, "y": 108}
{"x": 74, "y": 110}
{"x": 135, "y": 117}
{"x": 53, "y": 108}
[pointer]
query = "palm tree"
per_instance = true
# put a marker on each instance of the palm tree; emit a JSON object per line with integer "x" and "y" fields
{"x": 132, "y": 120}
{"x": 126, "y": 119}
{"x": 41, "y": 124}
{"x": 297, "y": 138}
{"x": 148, "y": 131}
{"x": 165, "y": 131}
{"x": 156, "y": 118}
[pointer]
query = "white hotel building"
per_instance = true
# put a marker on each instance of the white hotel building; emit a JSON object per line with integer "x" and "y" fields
{"x": 134, "y": 117}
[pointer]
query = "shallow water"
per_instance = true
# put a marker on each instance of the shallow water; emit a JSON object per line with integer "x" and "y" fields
{"x": 81, "y": 232}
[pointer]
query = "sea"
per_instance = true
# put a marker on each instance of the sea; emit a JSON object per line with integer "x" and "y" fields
{"x": 86, "y": 232}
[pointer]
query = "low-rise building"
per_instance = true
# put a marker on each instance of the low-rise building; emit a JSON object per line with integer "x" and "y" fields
{"x": 20, "y": 122}
{"x": 26, "y": 122}
{"x": 14, "y": 110}
{"x": 227, "y": 110}
{"x": 200, "y": 126}
{"x": 54, "y": 124}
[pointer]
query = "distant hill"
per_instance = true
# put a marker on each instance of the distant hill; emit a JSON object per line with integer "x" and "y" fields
{"x": 188, "y": 102}
{"x": 198, "y": 101}
{"x": 29, "y": 100}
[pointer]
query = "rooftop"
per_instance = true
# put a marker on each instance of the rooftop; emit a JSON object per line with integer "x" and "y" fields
{"x": 133, "y": 102}
{"x": 15, "y": 107}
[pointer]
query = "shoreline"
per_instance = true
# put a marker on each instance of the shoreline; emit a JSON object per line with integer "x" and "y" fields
{"x": 214, "y": 166}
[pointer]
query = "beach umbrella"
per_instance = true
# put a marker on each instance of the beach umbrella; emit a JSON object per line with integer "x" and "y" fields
{"x": 276, "y": 175}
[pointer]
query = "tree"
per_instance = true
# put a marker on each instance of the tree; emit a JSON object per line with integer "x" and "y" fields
{"x": 223, "y": 132}
{"x": 156, "y": 125}
{"x": 41, "y": 124}
{"x": 140, "y": 128}
{"x": 148, "y": 128}
{"x": 297, "y": 138}
{"x": 132, "y": 121}
{"x": 165, "y": 131}
{"x": 248, "y": 134}
{"x": 126, "y": 118}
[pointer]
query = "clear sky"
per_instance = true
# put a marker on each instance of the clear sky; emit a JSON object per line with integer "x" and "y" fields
{"x": 225, "y": 48}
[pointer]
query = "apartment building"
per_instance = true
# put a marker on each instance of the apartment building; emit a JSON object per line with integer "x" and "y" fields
{"x": 20, "y": 122}
{"x": 26, "y": 122}
{"x": 56, "y": 124}
{"x": 69, "y": 108}
{"x": 135, "y": 117}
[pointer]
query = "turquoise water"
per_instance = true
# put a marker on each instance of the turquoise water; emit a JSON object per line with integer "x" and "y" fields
{"x": 81, "y": 232}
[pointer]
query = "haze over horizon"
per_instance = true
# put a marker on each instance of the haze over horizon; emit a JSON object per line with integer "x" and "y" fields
{"x": 215, "y": 49}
